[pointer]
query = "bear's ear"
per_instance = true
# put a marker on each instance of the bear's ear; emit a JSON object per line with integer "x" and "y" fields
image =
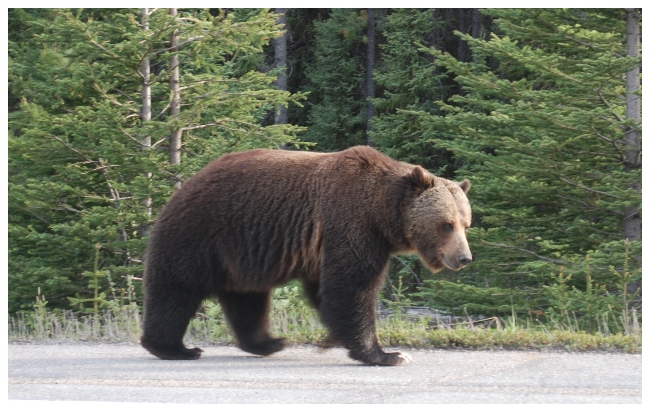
{"x": 465, "y": 185}
{"x": 420, "y": 179}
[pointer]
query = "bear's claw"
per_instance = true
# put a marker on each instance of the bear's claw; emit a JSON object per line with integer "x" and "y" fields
{"x": 407, "y": 358}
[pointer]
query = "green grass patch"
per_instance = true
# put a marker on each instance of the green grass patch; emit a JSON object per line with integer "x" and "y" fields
{"x": 414, "y": 334}
{"x": 300, "y": 324}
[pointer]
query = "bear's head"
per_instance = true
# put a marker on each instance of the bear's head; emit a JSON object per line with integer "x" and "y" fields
{"x": 437, "y": 219}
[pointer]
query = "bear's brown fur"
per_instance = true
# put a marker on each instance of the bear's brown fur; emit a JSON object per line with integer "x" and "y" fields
{"x": 254, "y": 220}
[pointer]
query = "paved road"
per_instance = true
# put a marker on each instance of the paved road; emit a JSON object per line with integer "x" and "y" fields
{"x": 126, "y": 373}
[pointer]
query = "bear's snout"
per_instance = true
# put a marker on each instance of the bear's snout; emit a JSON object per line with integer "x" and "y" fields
{"x": 464, "y": 259}
{"x": 456, "y": 262}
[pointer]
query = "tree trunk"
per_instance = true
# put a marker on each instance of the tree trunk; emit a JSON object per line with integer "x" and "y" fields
{"x": 370, "y": 80}
{"x": 462, "y": 27}
{"x": 476, "y": 23}
{"x": 174, "y": 85}
{"x": 477, "y": 29}
{"x": 632, "y": 228}
{"x": 465, "y": 17}
{"x": 280, "y": 45}
{"x": 145, "y": 116}
{"x": 146, "y": 79}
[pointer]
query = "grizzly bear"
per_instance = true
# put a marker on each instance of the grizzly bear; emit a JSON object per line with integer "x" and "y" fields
{"x": 254, "y": 220}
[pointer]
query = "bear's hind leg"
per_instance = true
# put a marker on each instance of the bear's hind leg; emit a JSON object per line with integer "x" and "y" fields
{"x": 312, "y": 292}
{"x": 248, "y": 315}
{"x": 167, "y": 312}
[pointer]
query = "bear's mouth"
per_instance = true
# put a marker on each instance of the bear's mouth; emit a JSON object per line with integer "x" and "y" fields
{"x": 449, "y": 265}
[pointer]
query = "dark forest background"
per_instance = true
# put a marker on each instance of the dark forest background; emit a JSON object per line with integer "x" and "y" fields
{"x": 110, "y": 110}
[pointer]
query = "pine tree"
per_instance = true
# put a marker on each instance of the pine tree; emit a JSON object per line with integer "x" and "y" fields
{"x": 409, "y": 81}
{"x": 336, "y": 80}
{"x": 280, "y": 46}
{"x": 370, "y": 78}
{"x": 78, "y": 172}
{"x": 543, "y": 137}
{"x": 632, "y": 228}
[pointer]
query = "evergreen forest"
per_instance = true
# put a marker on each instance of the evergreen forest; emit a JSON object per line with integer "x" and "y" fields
{"x": 110, "y": 110}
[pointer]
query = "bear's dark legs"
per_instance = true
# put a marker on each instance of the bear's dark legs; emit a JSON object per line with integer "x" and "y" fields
{"x": 167, "y": 312}
{"x": 248, "y": 315}
{"x": 348, "y": 300}
{"x": 351, "y": 322}
{"x": 311, "y": 290}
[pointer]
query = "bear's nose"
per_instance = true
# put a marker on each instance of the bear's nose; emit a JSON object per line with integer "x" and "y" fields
{"x": 464, "y": 259}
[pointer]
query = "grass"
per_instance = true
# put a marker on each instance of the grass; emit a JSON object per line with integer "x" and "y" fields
{"x": 414, "y": 334}
{"x": 300, "y": 324}
{"x": 107, "y": 326}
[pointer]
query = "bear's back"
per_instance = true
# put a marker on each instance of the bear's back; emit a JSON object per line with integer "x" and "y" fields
{"x": 252, "y": 215}
{"x": 261, "y": 213}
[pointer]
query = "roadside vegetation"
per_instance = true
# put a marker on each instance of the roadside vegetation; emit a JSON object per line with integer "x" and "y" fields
{"x": 293, "y": 318}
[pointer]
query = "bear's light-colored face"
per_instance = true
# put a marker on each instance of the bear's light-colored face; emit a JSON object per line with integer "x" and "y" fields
{"x": 437, "y": 224}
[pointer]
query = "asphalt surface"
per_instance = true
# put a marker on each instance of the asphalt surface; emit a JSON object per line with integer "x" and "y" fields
{"x": 304, "y": 374}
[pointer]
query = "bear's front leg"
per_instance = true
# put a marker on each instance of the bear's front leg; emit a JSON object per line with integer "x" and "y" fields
{"x": 347, "y": 308}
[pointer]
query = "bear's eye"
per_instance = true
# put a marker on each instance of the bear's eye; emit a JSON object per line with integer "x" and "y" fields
{"x": 448, "y": 227}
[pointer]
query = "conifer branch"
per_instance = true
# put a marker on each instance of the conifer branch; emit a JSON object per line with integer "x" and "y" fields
{"x": 201, "y": 126}
{"x": 66, "y": 207}
{"x": 609, "y": 106}
{"x": 115, "y": 194}
{"x": 608, "y": 140}
{"x": 415, "y": 275}
{"x": 102, "y": 48}
{"x": 581, "y": 186}
{"x": 571, "y": 38}
{"x": 33, "y": 214}
{"x": 169, "y": 103}
{"x": 181, "y": 44}
{"x": 139, "y": 142}
{"x": 124, "y": 94}
{"x": 160, "y": 141}
{"x": 501, "y": 245}
{"x": 72, "y": 148}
